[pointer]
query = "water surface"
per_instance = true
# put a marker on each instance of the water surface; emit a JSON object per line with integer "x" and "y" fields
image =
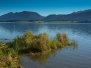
{"x": 79, "y": 57}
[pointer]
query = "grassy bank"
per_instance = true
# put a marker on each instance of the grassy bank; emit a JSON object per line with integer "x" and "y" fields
{"x": 8, "y": 57}
{"x": 30, "y": 43}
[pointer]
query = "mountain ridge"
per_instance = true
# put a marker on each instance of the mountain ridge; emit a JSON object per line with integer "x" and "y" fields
{"x": 28, "y": 15}
{"x": 24, "y": 15}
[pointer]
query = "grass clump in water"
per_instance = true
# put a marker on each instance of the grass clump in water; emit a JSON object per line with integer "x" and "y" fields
{"x": 40, "y": 43}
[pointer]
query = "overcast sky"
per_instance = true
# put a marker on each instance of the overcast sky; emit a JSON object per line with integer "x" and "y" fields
{"x": 44, "y": 7}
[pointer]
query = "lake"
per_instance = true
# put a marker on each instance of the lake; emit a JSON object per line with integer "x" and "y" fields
{"x": 73, "y": 57}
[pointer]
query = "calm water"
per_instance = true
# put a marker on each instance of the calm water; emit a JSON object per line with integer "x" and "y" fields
{"x": 79, "y": 57}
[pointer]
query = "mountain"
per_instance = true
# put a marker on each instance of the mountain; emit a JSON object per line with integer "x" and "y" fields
{"x": 25, "y": 15}
{"x": 80, "y": 15}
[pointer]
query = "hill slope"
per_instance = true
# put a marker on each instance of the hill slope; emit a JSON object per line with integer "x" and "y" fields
{"x": 25, "y": 15}
{"x": 80, "y": 15}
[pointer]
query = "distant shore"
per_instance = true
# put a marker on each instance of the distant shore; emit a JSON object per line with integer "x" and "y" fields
{"x": 48, "y": 22}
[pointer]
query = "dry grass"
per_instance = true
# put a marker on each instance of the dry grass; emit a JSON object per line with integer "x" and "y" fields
{"x": 39, "y": 43}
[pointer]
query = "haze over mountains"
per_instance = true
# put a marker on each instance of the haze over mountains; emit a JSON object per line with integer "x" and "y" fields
{"x": 26, "y": 15}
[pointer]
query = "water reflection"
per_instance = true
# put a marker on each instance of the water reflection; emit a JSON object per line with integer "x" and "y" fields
{"x": 39, "y": 59}
{"x": 11, "y": 30}
{"x": 21, "y": 27}
{"x": 42, "y": 58}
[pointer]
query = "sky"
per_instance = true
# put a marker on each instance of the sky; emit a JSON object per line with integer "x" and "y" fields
{"x": 44, "y": 7}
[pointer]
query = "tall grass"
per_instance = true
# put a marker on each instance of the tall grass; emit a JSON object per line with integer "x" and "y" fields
{"x": 8, "y": 57}
{"x": 40, "y": 43}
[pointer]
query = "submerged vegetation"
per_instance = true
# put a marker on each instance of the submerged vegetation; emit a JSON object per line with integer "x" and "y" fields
{"x": 30, "y": 44}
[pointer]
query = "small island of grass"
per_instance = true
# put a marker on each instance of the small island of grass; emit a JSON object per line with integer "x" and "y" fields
{"x": 30, "y": 43}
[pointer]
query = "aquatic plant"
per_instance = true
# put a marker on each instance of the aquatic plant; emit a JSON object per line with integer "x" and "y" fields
{"x": 40, "y": 43}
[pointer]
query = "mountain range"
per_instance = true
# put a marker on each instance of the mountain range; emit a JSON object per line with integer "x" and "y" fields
{"x": 27, "y": 15}
{"x": 24, "y": 15}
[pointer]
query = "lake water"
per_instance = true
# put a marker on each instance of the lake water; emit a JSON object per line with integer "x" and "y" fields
{"x": 78, "y": 57}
